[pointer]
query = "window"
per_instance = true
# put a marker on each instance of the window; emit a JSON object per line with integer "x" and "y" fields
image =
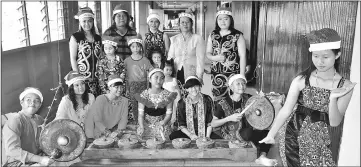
{"x": 11, "y": 26}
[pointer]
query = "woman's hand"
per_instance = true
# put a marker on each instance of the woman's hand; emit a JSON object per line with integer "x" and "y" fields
{"x": 235, "y": 117}
{"x": 46, "y": 161}
{"x": 339, "y": 92}
{"x": 106, "y": 132}
{"x": 268, "y": 140}
{"x": 193, "y": 137}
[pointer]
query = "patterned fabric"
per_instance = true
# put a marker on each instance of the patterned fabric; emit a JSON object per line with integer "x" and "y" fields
{"x": 153, "y": 41}
{"x": 307, "y": 139}
{"x": 200, "y": 116}
{"x": 155, "y": 109}
{"x": 66, "y": 110}
{"x": 228, "y": 130}
{"x": 123, "y": 48}
{"x": 87, "y": 58}
{"x": 222, "y": 71}
{"x": 135, "y": 88}
{"x": 186, "y": 53}
{"x": 107, "y": 67}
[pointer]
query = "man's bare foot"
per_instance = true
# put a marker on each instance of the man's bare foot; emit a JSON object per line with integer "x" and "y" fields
{"x": 263, "y": 160}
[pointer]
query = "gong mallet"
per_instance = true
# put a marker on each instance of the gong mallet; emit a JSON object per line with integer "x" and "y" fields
{"x": 245, "y": 109}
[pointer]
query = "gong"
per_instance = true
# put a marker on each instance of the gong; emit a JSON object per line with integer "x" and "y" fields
{"x": 260, "y": 114}
{"x": 63, "y": 140}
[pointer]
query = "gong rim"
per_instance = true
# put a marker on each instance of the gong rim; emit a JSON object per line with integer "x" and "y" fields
{"x": 63, "y": 127}
{"x": 262, "y": 103}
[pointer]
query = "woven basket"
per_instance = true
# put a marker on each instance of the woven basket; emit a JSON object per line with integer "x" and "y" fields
{"x": 128, "y": 143}
{"x": 181, "y": 143}
{"x": 203, "y": 143}
{"x": 236, "y": 144}
{"x": 154, "y": 144}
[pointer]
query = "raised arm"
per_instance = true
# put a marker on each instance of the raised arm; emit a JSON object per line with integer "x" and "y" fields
{"x": 339, "y": 101}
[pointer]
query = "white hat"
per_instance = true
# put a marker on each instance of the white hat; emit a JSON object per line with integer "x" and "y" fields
{"x": 73, "y": 77}
{"x": 234, "y": 77}
{"x": 135, "y": 40}
{"x": 114, "y": 78}
{"x": 324, "y": 39}
{"x": 31, "y": 90}
{"x": 153, "y": 16}
{"x": 154, "y": 70}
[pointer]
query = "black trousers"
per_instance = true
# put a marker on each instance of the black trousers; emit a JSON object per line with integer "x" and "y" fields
{"x": 180, "y": 134}
{"x": 249, "y": 134}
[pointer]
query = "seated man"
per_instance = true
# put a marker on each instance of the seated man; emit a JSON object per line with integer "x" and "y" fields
{"x": 228, "y": 114}
{"x": 21, "y": 132}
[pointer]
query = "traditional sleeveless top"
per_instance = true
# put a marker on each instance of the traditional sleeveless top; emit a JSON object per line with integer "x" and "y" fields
{"x": 221, "y": 71}
{"x": 155, "y": 104}
{"x": 154, "y": 41}
{"x": 88, "y": 55}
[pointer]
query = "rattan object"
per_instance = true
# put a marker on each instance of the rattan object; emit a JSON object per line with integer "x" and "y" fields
{"x": 128, "y": 143}
{"x": 181, "y": 143}
{"x": 236, "y": 144}
{"x": 104, "y": 142}
{"x": 203, "y": 143}
{"x": 154, "y": 143}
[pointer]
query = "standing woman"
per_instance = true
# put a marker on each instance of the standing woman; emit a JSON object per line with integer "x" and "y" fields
{"x": 322, "y": 96}
{"x": 121, "y": 29}
{"x": 75, "y": 105}
{"x": 226, "y": 48}
{"x": 85, "y": 49}
{"x": 187, "y": 50}
{"x": 155, "y": 39}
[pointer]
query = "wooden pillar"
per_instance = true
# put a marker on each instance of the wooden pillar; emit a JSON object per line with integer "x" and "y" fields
{"x": 98, "y": 15}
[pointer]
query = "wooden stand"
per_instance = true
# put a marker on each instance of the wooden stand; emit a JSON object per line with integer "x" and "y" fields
{"x": 220, "y": 151}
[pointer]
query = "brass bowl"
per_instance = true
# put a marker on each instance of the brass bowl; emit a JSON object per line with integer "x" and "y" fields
{"x": 155, "y": 143}
{"x": 203, "y": 143}
{"x": 128, "y": 143}
{"x": 181, "y": 143}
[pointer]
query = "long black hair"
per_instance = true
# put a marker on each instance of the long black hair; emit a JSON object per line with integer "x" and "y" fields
{"x": 307, "y": 73}
{"x": 92, "y": 30}
{"x": 72, "y": 96}
{"x": 231, "y": 25}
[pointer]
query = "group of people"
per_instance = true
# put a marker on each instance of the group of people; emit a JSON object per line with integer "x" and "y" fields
{"x": 155, "y": 83}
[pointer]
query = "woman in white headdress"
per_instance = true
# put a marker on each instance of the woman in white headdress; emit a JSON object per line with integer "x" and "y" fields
{"x": 85, "y": 48}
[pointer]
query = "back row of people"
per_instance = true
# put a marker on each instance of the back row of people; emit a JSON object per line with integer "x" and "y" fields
{"x": 197, "y": 114}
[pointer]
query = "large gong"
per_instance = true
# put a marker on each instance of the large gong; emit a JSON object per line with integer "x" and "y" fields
{"x": 63, "y": 140}
{"x": 260, "y": 114}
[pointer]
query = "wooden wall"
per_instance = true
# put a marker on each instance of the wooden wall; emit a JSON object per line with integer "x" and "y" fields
{"x": 284, "y": 47}
{"x": 35, "y": 66}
